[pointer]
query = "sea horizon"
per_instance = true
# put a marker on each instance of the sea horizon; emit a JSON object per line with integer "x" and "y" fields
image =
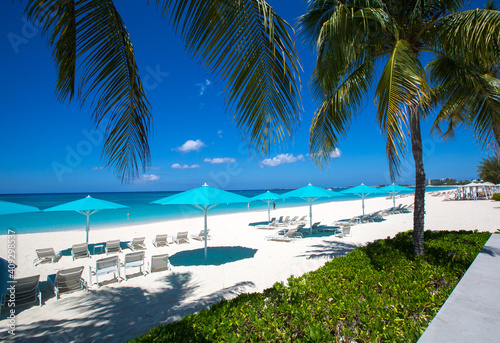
{"x": 139, "y": 211}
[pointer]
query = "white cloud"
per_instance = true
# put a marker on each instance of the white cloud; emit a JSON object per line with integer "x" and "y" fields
{"x": 203, "y": 86}
{"x": 185, "y": 166}
{"x": 191, "y": 145}
{"x": 218, "y": 160}
{"x": 150, "y": 177}
{"x": 219, "y": 133}
{"x": 335, "y": 153}
{"x": 281, "y": 159}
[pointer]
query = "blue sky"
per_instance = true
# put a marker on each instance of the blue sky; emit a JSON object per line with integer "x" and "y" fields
{"x": 48, "y": 146}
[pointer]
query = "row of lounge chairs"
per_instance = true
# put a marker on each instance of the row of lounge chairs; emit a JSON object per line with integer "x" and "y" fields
{"x": 276, "y": 223}
{"x": 27, "y": 290}
{"x": 82, "y": 250}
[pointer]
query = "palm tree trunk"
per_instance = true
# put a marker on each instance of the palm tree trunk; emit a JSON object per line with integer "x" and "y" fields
{"x": 419, "y": 205}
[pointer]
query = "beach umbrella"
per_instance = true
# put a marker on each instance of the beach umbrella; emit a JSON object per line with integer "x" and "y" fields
{"x": 7, "y": 207}
{"x": 311, "y": 193}
{"x": 362, "y": 190}
{"x": 267, "y": 197}
{"x": 393, "y": 189}
{"x": 204, "y": 198}
{"x": 86, "y": 206}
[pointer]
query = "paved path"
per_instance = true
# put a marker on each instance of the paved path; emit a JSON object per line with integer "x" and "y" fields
{"x": 472, "y": 312}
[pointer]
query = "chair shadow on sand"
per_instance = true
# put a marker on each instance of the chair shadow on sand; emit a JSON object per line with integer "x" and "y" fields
{"x": 216, "y": 256}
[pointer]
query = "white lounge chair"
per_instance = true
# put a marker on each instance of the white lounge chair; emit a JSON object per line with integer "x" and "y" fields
{"x": 45, "y": 255}
{"x": 133, "y": 260}
{"x": 105, "y": 266}
{"x": 159, "y": 263}
{"x": 201, "y": 235}
{"x": 67, "y": 280}
{"x": 80, "y": 250}
{"x": 137, "y": 244}
{"x": 113, "y": 246}
{"x": 160, "y": 240}
{"x": 182, "y": 237}
{"x": 288, "y": 236}
{"x": 271, "y": 226}
{"x": 26, "y": 291}
{"x": 346, "y": 231}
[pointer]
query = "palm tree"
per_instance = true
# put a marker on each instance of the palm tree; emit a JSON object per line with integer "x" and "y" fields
{"x": 241, "y": 43}
{"x": 355, "y": 37}
{"x": 489, "y": 169}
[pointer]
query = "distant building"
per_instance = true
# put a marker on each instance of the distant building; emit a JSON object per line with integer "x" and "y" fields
{"x": 435, "y": 182}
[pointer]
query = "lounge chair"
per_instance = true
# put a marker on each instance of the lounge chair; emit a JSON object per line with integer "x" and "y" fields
{"x": 201, "y": 235}
{"x": 45, "y": 255}
{"x": 26, "y": 291}
{"x": 133, "y": 260}
{"x": 67, "y": 280}
{"x": 285, "y": 221}
{"x": 105, "y": 266}
{"x": 271, "y": 226}
{"x": 182, "y": 237}
{"x": 314, "y": 229}
{"x": 346, "y": 231}
{"x": 80, "y": 251}
{"x": 159, "y": 263}
{"x": 289, "y": 235}
{"x": 160, "y": 240}
{"x": 137, "y": 244}
{"x": 113, "y": 246}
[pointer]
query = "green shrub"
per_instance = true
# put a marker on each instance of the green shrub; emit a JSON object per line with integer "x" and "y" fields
{"x": 376, "y": 293}
{"x": 495, "y": 196}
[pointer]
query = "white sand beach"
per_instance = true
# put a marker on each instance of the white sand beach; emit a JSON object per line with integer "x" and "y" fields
{"x": 240, "y": 260}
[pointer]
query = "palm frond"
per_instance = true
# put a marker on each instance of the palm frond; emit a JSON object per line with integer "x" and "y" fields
{"x": 402, "y": 84}
{"x": 90, "y": 35}
{"x": 470, "y": 96}
{"x": 249, "y": 47}
{"x": 332, "y": 119}
{"x": 475, "y": 31}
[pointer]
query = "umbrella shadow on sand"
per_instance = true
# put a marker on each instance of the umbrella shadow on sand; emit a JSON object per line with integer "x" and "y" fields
{"x": 216, "y": 257}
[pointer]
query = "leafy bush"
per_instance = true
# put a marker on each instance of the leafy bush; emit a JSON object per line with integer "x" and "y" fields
{"x": 495, "y": 196}
{"x": 380, "y": 292}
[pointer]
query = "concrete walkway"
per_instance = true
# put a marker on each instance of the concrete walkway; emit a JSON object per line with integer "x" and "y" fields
{"x": 472, "y": 312}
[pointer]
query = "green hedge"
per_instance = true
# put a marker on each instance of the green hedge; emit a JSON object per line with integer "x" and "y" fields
{"x": 375, "y": 293}
{"x": 495, "y": 196}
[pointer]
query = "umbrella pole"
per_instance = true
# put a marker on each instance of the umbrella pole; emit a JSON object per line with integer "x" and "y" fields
{"x": 363, "y": 204}
{"x": 88, "y": 226}
{"x": 205, "y": 210}
{"x": 393, "y": 201}
{"x": 268, "y": 212}
{"x": 310, "y": 217}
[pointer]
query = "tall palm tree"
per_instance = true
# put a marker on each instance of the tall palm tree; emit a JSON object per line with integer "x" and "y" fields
{"x": 355, "y": 37}
{"x": 242, "y": 43}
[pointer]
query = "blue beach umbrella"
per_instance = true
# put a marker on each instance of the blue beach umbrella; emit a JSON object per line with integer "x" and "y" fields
{"x": 362, "y": 191}
{"x": 86, "y": 206}
{"x": 311, "y": 193}
{"x": 7, "y": 207}
{"x": 268, "y": 197}
{"x": 204, "y": 198}
{"x": 393, "y": 189}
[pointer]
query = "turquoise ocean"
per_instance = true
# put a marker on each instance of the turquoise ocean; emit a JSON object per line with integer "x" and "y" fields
{"x": 140, "y": 209}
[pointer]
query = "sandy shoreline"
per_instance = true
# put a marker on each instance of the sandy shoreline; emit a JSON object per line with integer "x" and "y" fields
{"x": 240, "y": 260}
